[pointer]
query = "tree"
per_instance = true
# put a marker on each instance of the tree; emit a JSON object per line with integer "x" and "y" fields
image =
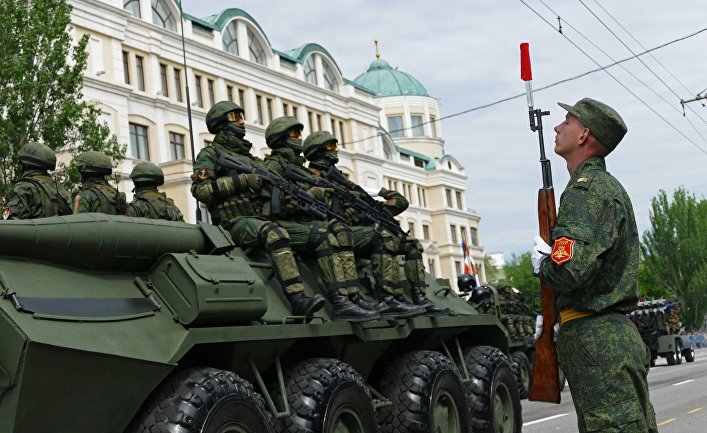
{"x": 649, "y": 286}
{"x": 675, "y": 251}
{"x": 41, "y": 87}
{"x": 519, "y": 274}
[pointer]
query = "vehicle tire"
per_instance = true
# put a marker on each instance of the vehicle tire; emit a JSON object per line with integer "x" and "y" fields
{"x": 678, "y": 351}
{"x": 203, "y": 400}
{"x": 670, "y": 357}
{"x": 326, "y": 396}
{"x": 495, "y": 404}
{"x": 689, "y": 354}
{"x": 563, "y": 379}
{"x": 522, "y": 370}
{"x": 427, "y": 395}
{"x": 652, "y": 363}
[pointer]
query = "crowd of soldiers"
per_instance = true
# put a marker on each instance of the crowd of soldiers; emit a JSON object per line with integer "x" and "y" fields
{"x": 248, "y": 204}
{"x": 518, "y": 319}
{"x": 659, "y": 314}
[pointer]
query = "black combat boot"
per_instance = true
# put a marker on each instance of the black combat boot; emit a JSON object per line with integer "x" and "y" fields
{"x": 398, "y": 307}
{"x": 431, "y": 310}
{"x": 364, "y": 303}
{"x": 344, "y": 309}
{"x": 303, "y": 305}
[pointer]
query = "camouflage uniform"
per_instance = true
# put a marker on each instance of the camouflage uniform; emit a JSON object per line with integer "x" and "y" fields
{"x": 36, "y": 194}
{"x": 240, "y": 203}
{"x": 96, "y": 194}
{"x": 148, "y": 202}
{"x": 592, "y": 271}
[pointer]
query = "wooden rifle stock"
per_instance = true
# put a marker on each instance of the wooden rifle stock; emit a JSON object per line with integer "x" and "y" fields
{"x": 545, "y": 378}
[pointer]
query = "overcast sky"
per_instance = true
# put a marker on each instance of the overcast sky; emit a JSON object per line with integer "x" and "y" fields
{"x": 466, "y": 53}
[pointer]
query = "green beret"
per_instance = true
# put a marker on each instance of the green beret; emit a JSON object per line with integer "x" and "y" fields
{"x": 603, "y": 122}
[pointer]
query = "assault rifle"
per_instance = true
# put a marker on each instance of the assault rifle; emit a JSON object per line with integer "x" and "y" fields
{"x": 545, "y": 379}
{"x": 305, "y": 201}
{"x": 340, "y": 194}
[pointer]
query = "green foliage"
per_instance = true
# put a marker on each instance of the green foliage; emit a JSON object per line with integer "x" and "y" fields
{"x": 675, "y": 251}
{"x": 519, "y": 274}
{"x": 41, "y": 83}
{"x": 650, "y": 287}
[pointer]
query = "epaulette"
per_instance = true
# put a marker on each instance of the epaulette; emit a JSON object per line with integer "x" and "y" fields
{"x": 583, "y": 182}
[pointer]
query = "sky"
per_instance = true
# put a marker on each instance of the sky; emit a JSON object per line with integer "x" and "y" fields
{"x": 466, "y": 53}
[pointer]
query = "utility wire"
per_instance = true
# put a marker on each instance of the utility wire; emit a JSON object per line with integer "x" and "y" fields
{"x": 617, "y": 80}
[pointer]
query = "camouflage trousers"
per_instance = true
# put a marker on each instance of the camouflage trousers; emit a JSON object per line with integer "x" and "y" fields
{"x": 606, "y": 364}
{"x": 414, "y": 268}
{"x": 381, "y": 248}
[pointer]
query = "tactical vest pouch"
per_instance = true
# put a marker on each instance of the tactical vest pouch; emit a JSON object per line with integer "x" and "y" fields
{"x": 209, "y": 290}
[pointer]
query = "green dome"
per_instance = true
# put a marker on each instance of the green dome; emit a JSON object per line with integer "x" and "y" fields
{"x": 386, "y": 81}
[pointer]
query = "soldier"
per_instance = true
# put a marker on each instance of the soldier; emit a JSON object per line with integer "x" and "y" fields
{"x": 320, "y": 148}
{"x": 592, "y": 270}
{"x": 284, "y": 136}
{"x": 241, "y": 204}
{"x": 36, "y": 194}
{"x": 148, "y": 202}
{"x": 96, "y": 194}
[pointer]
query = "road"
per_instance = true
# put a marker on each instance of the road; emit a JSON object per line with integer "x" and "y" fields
{"x": 678, "y": 393}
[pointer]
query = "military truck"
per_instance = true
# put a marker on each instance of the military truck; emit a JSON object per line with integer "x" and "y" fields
{"x": 113, "y": 324}
{"x": 658, "y": 323}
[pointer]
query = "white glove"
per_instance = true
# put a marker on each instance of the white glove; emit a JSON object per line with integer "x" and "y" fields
{"x": 540, "y": 252}
{"x": 539, "y": 327}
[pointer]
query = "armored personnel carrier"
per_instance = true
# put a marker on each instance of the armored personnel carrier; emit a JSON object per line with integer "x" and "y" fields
{"x": 112, "y": 324}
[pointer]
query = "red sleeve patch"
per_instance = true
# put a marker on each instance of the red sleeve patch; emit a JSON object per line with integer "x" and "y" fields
{"x": 562, "y": 250}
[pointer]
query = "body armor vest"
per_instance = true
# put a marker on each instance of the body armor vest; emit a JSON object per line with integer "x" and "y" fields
{"x": 111, "y": 201}
{"x": 54, "y": 198}
{"x": 159, "y": 205}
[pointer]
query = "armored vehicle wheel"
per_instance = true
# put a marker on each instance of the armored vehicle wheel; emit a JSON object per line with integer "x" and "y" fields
{"x": 204, "y": 400}
{"x": 689, "y": 354}
{"x": 327, "y": 396}
{"x": 427, "y": 395}
{"x": 678, "y": 351}
{"x": 521, "y": 369}
{"x": 495, "y": 404}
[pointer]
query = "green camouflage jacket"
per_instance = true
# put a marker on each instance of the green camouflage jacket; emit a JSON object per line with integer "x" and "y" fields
{"x": 97, "y": 195}
{"x": 37, "y": 195}
{"x": 150, "y": 203}
{"x": 595, "y": 249}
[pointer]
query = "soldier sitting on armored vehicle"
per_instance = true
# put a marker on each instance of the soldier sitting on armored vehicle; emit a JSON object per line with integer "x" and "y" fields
{"x": 96, "y": 194}
{"x": 148, "y": 202}
{"x": 320, "y": 149}
{"x": 36, "y": 194}
{"x": 284, "y": 136}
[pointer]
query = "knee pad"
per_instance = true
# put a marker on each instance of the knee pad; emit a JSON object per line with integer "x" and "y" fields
{"x": 273, "y": 236}
{"x": 321, "y": 240}
{"x": 342, "y": 232}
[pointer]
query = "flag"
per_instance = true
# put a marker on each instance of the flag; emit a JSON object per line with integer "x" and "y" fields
{"x": 469, "y": 265}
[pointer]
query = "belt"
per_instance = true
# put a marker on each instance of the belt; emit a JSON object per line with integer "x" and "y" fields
{"x": 568, "y": 313}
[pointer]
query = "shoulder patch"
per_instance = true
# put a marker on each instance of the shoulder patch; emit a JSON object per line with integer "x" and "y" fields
{"x": 203, "y": 174}
{"x": 562, "y": 250}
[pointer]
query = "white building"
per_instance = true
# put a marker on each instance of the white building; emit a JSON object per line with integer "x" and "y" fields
{"x": 136, "y": 74}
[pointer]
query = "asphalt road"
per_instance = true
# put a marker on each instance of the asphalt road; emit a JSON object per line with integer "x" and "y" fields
{"x": 678, "y": 394}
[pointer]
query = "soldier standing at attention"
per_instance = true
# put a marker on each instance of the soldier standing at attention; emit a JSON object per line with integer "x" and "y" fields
{"x": 36, "y": 194}
{"x": 592, "y": 270}
{"x": 240, "y": 203}
{"x": 96, "y": 194}
{"x": 148, "y": 202}
{"x": 320, "y": 148}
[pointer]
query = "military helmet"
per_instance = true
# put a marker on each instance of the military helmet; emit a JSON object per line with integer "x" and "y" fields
{"x": 147, "y": 172}
{"x": 93, "y": 162}
{"x": 216, "y": 118}
{"x": 480, "y": 294}
{"x": 466, "y": 282}
{"x": 37, "y": 155}
{"x": 317, "y": 141}
{"x": 279, "y": 128}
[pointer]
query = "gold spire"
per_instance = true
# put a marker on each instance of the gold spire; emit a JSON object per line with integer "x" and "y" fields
{"x": 378, "y": 54}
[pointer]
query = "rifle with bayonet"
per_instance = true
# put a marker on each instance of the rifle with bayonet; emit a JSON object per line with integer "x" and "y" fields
{"x": 280, "y": 186}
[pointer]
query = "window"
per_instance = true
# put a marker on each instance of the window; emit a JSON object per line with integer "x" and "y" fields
{"x": 228, "y": 37}
{"x": 309, "y": 119}
{"x": 199, "y": 94}
{"x": 341, "y": 135}
{"x": 285, "y": 109}
{"x": 319, "y": 122}
{"x": 178, "y": 84}
{"x": 132, "y": 6}
{"x": 294, "y": 111}
{"x": 162, "y": 15}
{"x": 176, "y": 142}
{"x": 330, "y": 79}
{"x": 431, "y": 267}
{"x": 241, "y": 98}
{"x": 433, "y": 126}
{"x": 425, "y": 231}
{"x": 140, "y": 73}
{"x": 310, "y": 73}
{"x": 416, "y": 122}
{"x": 333, "y": 129}
{"x": 474, "y": 236}
{"x": 138, "y": 142}
{"x": 411, "y": 229}
{"x": 229, "y": 91}
{"x": 126, "y": 68}
{"x": 268, "y": 104}
{"x": 453, "y": 231}
{"x": 210, "y": 88}
{"x": 421, "y": 197}
{"x": 449, "y": 196}
{"x": 459, "y": 200}
{"x": 458, "y": 267}
{"x": 163, "y": 79}
{"x": 419, "y": 162}
{"x": 407, "y": 190}
{"x": 259, "y": 103}
{"x": 395, "y": 126}
{"x": 257, "y": 53}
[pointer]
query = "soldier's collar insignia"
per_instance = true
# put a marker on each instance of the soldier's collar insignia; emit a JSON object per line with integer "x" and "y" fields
{"x": 202, "y": 174}
{"x": 562, "y": 250}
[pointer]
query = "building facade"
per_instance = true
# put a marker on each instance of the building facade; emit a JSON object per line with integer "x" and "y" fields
{"x": 136, "y": 75}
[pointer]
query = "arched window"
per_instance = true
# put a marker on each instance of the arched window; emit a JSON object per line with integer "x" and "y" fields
{"x": 162, "y": 15}
{"x": 132, "y": 6}
{"x": 228, "y": 36}
{"x": 257, "y": 53}
{"x": 330, "y": 78}
{"x": 310, "y": 72}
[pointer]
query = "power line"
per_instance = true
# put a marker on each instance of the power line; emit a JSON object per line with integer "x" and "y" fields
{"x": 617, "y": 80}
